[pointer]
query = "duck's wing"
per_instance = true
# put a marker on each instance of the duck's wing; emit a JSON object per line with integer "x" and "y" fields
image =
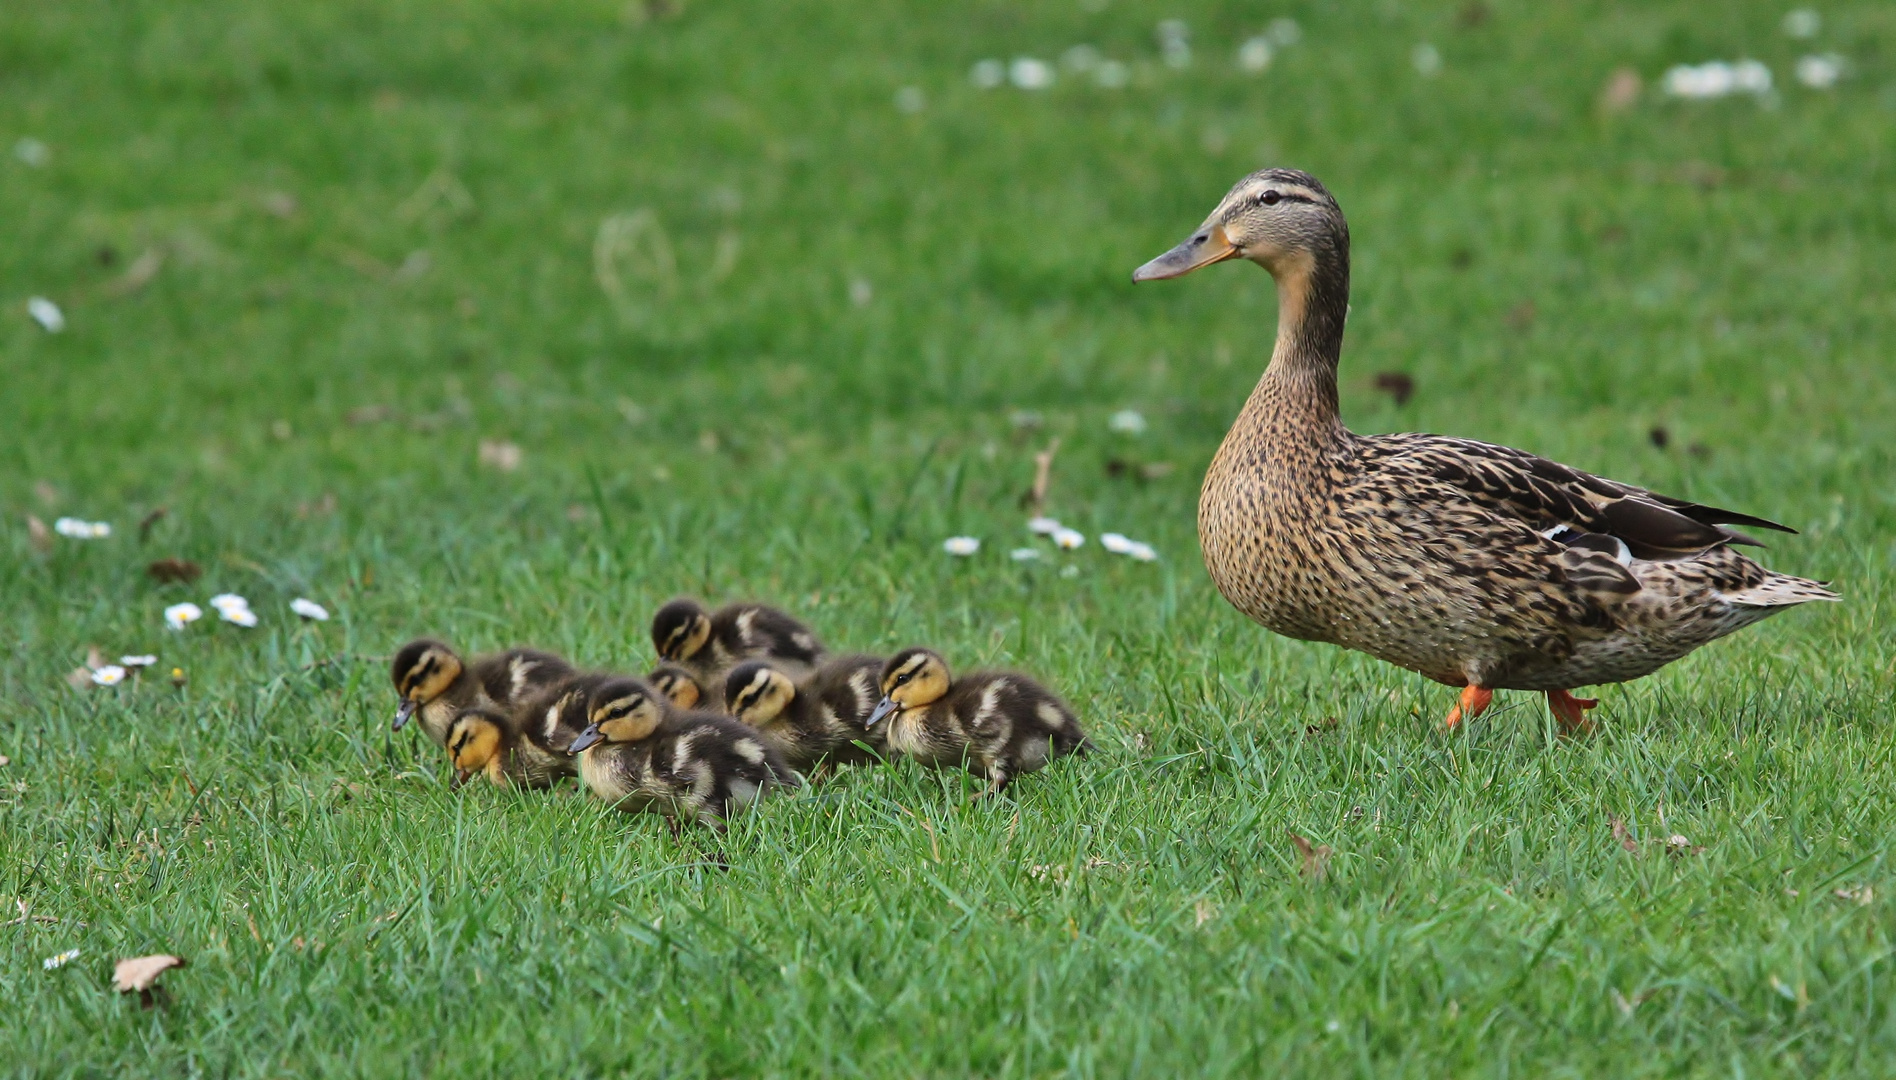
{"x": 1562, "y": 503}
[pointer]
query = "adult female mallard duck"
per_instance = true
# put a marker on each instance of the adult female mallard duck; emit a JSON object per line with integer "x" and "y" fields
{"x": 1476, "y": 565}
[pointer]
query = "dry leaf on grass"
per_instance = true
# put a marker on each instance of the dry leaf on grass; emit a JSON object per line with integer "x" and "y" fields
{"x": 1861, "y": 895}
{"x": 139, "y": 974}
{"x": 39, "y": 534}
{"x": 1315, "y": 860}
{"x": 500, "y": 454}
{"x": 172, "y": 571}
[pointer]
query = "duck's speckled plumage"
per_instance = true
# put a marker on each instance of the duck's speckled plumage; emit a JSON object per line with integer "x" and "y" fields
{"x": 1476, "y": 565}
{"x": 818, "y": 719}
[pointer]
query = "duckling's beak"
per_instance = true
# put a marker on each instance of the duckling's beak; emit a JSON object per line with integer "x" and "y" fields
{"x": 886, "y": 707}
{"x": 586, "y": 738}
{"x": 460, "y": 777}
{"x": 1204, "y": 247}
{"x": 402, "y": 714}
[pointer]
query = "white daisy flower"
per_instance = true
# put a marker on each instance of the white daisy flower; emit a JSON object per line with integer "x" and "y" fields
{"x": 1030, "y": 73}
{"x": 47, "y": 314}
{"x": 987, "y": 74}
{"x": 137, "y": 661}
{"x": 310, "y": 609}
{"x": 226, "y": 601}
{"x": 1752, "y": 77}
{"x": 1716, "y": 79}
{"x": 241, "y": 616}
{"x": 910, "y": 99}
{"x": 1115, "y": 543}
{"x": 1820, "y": 72}
{"x": 81, "y": 529}
{"x": 1426, "y": 58}
{"x": 1142, "y": 552}
{"x": 1069, "y": 539}
{"x": 54, "y": 963}
{"x": 961, "y": 545}
{"x": 1802, "y": 23}
{"x": 1043, "y": 526}
{"x": 179, "y": 616}
{"x": 1128, "y": 422}
{"x": 1255, "y": 54}
{"x": 1024, "y": 554}
{"x": 109, "y": 675}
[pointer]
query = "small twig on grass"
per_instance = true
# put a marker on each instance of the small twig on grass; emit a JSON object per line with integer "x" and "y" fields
{"x": 1036, "y": 498}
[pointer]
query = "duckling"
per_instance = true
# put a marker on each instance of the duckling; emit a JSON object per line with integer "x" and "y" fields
{"x": 819, "y": 720}
{"x": 710, "y": 644}
{"x": 550, "y": 719}
{"x": 489, "y": 741}
{"x": 998, "y": 724}
{"x": 641, "y": 753}
{"x": 677, "y": 684}
{"x": 435, "y": 684}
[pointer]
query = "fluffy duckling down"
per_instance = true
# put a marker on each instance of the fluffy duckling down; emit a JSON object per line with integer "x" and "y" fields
{"x": 998, "y": 724}
{"x": 641, "y": 753}
{"x": 490, "y": 742}
{"x": 821, "y": 719}
{"x": 435, "y": 685}
{"x": 677, "y": 684}
{"x": 709, "y": 644}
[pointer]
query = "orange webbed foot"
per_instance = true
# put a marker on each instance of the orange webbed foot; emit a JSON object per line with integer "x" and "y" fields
{"x": 1571, "y": 711}
{"x": 1474, "y": 701}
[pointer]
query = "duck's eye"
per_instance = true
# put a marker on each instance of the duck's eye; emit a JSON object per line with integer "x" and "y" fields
{"x": 1269, "y": 198}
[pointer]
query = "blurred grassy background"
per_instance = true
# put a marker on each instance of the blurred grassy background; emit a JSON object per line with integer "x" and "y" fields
{"x": 771, "y": 299}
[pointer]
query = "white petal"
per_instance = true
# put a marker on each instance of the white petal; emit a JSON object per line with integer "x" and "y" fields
{"x": 109, "y": 675}
{"x": 223, "y": 601}
{"x": 100, "y": 529}
{"x": 73, "y": 527}
{"x": 137, "y": 661}
{"x": 1142, "y": 552}
{"x": 1069, "y": 539}
{"x": 987, "y": 74}
{"x": 1043, "y": 526}
{"x": 1127, "y": 422}
{"x": 47, "y": 314}
{"x": 310, "y": 609}
{"x": 178, "y": 616}
{"x": 961, "y": 545}
{"x": 1115, "y": 543}
{"x": 1029, "y": 73}
{"x": 1024, "y": 554}
{"x": 240, "y": 616}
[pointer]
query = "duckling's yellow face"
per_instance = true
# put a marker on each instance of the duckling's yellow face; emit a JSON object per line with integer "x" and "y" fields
{"x": 473, "y": 745}
{"x": 1277, "y": 218}
{"x": 620, "y": 712}
{"x": 422, "y": 672}
{"x": 758, "y": 694}
{"x": 685, "y": 638}
{"x": 912, "y": 678}
{"x": 678, "y": 685}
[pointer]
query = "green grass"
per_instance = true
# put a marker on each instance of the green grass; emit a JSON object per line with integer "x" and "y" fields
{"x": 1726, "y": 271}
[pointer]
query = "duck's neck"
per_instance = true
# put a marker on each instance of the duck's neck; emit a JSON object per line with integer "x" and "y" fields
{"x": 1294, "y": 404}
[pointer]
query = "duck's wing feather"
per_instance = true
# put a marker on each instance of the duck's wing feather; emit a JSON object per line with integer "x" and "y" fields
{"x": 1559, "y": 501}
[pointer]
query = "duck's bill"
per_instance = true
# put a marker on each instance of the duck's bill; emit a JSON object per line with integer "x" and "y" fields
{"x": 460, "y": 777}
{"x": 1202, "y": 249}
{"x": 402, "y": 714}
{"x": 882, "y": 712}
{"x": 586, "y": 739}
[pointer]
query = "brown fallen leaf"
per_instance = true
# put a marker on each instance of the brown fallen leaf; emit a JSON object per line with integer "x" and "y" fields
{"x": 174, "y": 571}
{"x": 1861, "y": 895}
{"x": 39, "y": 534}
{"x": 1315, "y": 861}
{"x": 140, "y": 974}
{"x": 1399, "y": 385}
{"x": 1622, "y": 834}
{"x": 1677, "y": 845}
{"x": 47, "y": 494}
{"x": 138, "y": 275}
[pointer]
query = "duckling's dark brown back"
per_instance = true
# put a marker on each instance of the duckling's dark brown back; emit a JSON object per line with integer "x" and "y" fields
{"x": 715, "y": 763}
{"x": 1012, "y": 718}
{"x": 757, "y": 632}
{"x": 511, "y": 677}
{"x": 846, "y": 688}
